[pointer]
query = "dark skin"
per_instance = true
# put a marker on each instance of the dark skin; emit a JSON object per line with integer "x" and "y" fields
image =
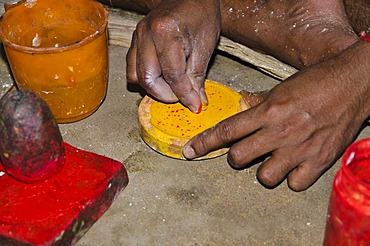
{"x": 304, "y": 131}
{"x": 305, "y": 123}
{"x": 178, "y": 68}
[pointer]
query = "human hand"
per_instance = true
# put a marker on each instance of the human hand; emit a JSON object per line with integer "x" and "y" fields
{"x": 171, "y": 49}
{"x": 304, "y": 124}
{"x": 253, "y": 98}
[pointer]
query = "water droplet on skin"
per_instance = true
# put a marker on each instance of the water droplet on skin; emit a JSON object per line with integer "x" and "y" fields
{"x": 324, "y": 30}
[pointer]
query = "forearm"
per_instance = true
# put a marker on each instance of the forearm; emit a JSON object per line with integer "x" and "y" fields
{"x": 359, "y": 58}
{"x": 358, "y": 14}
{"x": 140, "y": 6}
{"x": 353, "y": 75}
{"x": 298, "y": 32}
{"x": 145, "y": 6}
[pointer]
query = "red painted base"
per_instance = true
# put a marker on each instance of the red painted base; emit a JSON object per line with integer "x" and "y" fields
{"x": 61, "y": 209}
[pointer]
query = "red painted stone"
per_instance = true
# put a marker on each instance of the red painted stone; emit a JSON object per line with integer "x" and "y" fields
{"x": 60, "y": 210}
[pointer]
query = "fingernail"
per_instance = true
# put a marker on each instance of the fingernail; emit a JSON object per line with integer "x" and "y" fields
{"x": 188, "y": 152}
{"x": 195, "y": 109}
{"x": 203, "y": 96}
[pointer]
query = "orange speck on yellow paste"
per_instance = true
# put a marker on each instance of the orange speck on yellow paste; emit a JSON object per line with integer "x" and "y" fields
{"x": 178, "y": 121}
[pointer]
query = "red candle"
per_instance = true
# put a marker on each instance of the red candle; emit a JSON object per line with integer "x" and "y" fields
{"x": 348, "y": 221}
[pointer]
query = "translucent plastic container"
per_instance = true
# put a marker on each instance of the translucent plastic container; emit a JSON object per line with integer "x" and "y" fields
{"x": 58, "y": 49}
{"x": 348, "y": 221}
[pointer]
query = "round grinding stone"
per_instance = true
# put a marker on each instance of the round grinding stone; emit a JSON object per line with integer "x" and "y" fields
{"x": 167, "y": 127}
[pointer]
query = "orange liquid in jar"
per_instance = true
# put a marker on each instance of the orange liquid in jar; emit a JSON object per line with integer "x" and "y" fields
{"x": 72, "y": 82}
{"x": 73, "y": 100}
{"x": 58, "y": 49}
{"x": 54, "y": 37}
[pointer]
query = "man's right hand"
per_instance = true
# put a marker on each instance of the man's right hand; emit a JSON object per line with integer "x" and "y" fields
{"x": 171, "y": 48}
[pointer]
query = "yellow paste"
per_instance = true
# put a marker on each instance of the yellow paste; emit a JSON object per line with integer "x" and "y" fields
{"x": 167, "y": 127}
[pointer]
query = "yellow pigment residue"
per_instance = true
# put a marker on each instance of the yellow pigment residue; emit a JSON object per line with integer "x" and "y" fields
{"x": 178, "y": 121}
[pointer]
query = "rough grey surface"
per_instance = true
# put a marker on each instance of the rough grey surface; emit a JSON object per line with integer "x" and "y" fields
{"x": 174, "y": 202}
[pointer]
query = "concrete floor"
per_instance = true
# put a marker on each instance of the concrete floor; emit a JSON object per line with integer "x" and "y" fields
{"x": 174, "y": 202}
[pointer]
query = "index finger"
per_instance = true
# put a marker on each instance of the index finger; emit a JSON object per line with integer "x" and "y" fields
{"x": 222, "y": 134}
{"x": 172, "y": 55}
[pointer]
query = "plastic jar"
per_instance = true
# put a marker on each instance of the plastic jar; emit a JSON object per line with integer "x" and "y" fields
{"x": 58, "y": 49}
{"x": 348, "y": 221}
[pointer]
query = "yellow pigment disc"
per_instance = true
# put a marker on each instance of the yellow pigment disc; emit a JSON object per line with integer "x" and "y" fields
{"x": 167, "y": 127}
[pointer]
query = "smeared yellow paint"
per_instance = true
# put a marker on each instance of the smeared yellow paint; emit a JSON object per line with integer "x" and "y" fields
{"x": 167, "y": 127}
{"x": 179, "y": 122}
